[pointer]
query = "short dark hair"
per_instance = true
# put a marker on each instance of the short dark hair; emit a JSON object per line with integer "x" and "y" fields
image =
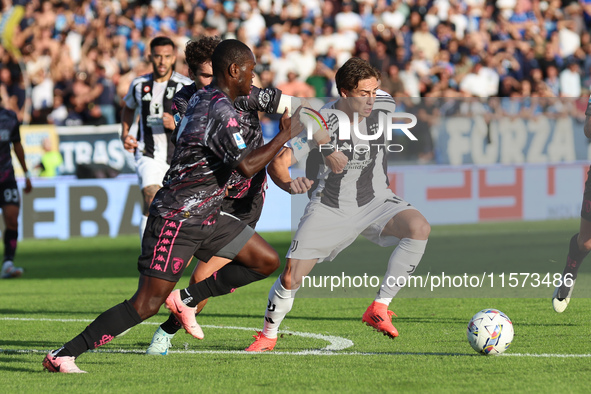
{"x": 229, "y": 52}
{"x": 161, "y": 41}
{"x": 200, "y": 51}
{"x": 353, "y": 71}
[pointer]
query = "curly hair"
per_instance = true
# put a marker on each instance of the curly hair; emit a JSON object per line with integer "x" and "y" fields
{"x": 353, "y": 71}
{"x": 200, "y": 51}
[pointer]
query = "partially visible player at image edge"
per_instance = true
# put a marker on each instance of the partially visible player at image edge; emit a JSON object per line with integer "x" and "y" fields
{"x": 9, "y": 194}
{"x": 580, "y": 243}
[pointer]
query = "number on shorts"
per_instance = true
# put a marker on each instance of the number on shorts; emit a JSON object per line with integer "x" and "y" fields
{"x": 11, "y": 195}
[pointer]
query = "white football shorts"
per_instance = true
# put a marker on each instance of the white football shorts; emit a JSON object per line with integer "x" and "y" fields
{"x": 150, "y": 171}
{"x": 324, "y": 232}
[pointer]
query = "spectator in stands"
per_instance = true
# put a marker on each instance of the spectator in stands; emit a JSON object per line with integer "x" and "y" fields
{"x": 51, "y": 160}
{"x": 570, "y": 80}
{"x": 440, "y": 40}
{"x": 295, "y": 87}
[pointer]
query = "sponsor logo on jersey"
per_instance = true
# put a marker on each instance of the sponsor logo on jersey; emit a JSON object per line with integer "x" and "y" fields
{"x": 239, "y": 140}
{"x": 232, "y": 123}
{"x": 147, "y": 97}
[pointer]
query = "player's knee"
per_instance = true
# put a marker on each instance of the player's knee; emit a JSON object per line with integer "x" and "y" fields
{"x": 146, "y": 307}
{"x": 420, "y": 229}
{"x": 11, "y": 223}
{"x": 584, "y": 244}
{"x": 270, "y": 262}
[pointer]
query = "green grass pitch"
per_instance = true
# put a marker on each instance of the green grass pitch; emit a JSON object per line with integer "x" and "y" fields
{"x": 68, "y": 283}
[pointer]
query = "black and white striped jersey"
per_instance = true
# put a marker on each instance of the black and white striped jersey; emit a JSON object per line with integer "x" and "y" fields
{"x": 152, "y": 99}
{"x": 365, "y": 175}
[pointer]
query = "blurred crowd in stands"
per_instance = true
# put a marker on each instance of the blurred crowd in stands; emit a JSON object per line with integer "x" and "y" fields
{"x": 80, "y": 56}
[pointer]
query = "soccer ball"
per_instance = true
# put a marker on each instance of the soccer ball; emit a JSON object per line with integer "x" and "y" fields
{"x": 490, "y": 331}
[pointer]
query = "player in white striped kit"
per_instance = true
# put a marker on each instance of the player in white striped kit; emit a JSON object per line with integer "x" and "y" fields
{"x": 152, "y": 94}
{"x": 345, "y": 205}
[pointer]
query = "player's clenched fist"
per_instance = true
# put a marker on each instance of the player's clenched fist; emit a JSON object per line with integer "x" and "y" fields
{"x": 129, "y": 143}
{"x": 168, "y": 121}
{"x": 300, "y": 185}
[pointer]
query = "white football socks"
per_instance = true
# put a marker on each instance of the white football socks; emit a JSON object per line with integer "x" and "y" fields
{"x": 403, "y": 262}
{"x": 280, "y": 303}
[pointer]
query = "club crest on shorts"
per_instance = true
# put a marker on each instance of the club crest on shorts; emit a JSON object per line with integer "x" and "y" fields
{"x": 177, "y": 265}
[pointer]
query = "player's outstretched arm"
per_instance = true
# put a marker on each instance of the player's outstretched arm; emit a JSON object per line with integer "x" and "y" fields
{"x": 260, "y": 157}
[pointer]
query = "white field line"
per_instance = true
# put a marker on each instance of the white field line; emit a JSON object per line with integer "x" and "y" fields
{"x": 333, "y": 349}
{"x": 334, "y": 343}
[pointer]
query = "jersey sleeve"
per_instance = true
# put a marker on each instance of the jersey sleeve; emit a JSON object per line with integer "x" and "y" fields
{"x": 180, "y": 102}
{"x": 263, "y": 100}
{"x": 129, "y": 98}
{"x": 224, "y": 136}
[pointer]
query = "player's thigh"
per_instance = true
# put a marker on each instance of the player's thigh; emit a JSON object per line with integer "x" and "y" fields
{"x": 150, "y": 171}
{"x": 232, "y": 239}
{"x": 257, "y": 252}
{"x": 149, "y": 192}
{"x": 321, "y": 231}
{"x": 168, "y": 246}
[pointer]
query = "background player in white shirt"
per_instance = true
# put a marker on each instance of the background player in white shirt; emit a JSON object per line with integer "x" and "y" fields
{"x": 152, "y": 95}
{"x": 343, "y": 206}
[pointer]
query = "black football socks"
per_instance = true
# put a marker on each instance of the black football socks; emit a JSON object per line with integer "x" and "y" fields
{"x": 102, "y": 330}
{"x": 226, "y": 280}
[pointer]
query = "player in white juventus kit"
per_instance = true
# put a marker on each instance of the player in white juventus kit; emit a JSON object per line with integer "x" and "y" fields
{"x": 152, "y": 94}
{"x": 345, "y": 205}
